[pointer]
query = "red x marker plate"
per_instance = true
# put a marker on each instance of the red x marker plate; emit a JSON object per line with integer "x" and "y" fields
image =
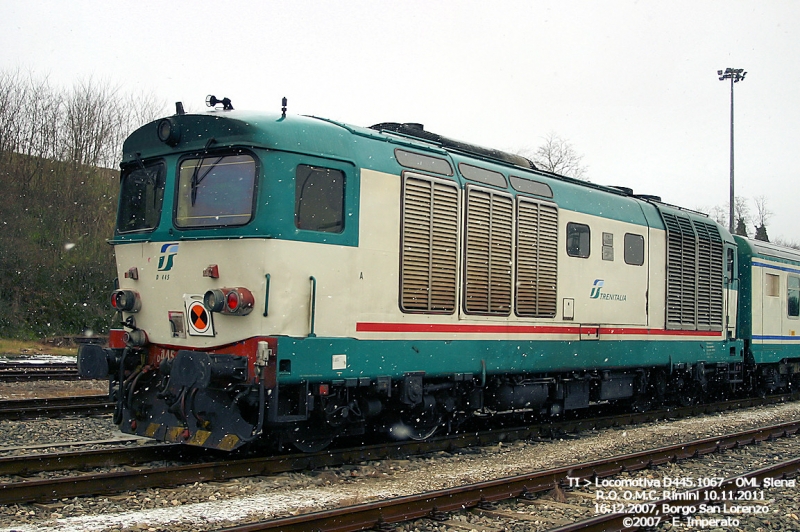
{"x": 199, "y": 318}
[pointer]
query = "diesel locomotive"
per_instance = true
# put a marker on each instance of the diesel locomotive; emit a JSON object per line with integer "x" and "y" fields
{"x": 293, "y": 279}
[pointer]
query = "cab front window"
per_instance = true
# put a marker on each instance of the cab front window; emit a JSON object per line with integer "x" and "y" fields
{"x": 216, "y": 190}
{"x": 141, "y": 198}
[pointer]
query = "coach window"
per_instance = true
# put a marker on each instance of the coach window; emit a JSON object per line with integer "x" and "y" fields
{"x": 319, "y": 199}
{"x": 578, "y": 240}
{"x": 634, "y": 249}
{"x": 772, "y": 285}
{"x": 794, "y": 297}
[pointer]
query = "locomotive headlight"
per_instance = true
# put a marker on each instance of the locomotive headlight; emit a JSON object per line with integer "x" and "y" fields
{"x": 169, "y": 132}
{"x": 214, "y": 300}
{"x": 236, "y": 301}
{"x": 126, "y": 300}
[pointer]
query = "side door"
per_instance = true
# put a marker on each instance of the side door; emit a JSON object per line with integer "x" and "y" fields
{"x": 771, "y": 304}
{"x": 731, "y": 290}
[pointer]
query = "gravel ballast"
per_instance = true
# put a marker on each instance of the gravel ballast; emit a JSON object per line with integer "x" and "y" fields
{"x": 214, "y": 505}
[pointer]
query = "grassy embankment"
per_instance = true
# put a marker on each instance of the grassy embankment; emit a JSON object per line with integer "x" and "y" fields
{"x": 26, "y": 347}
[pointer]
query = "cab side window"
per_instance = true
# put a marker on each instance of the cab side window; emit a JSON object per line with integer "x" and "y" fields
{"x": 319, "y": 199}
{"x": 578, "y": 240}
{"x": 634, "y": 249}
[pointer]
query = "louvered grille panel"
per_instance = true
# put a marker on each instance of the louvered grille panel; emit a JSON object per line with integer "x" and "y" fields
{"x": 694, "y": 274}
{"x": 710, "y": 278}
{"x": 537, "y": 246}
{"x": 488, "y": 252}
{"x": 688, "y": 275}
{"x": 674, "y": 273}
{"x": 429, "y": 240}
{"x": 548, "y": 260}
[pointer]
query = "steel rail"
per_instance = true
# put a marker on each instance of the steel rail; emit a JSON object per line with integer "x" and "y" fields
{"x": 41, "y": 374}
{"x": 36, "y": 365}
{"x": 378, "y": 513}
{"x": 106, "y": 483}
{"x": 55, "y": 407}
{"x": 76, "y": 460}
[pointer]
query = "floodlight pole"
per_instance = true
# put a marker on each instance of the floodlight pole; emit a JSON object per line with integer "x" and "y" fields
{"x": 735, "y": 75}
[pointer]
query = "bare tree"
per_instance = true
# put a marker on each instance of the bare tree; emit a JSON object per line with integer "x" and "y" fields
{"x": 94, "y": 124}
{"x": 786, "y": 242}
{"x": 741, "y": 213}
{"x": 558, "y": 156}
{"x": 28, "y": 123}
{"x": 85, "y": 125}
{"x": 140, "y": 109}
{"x": 763, "y": 214}
{"x": 9, "y": 112}
{"x": 717, "y": 213}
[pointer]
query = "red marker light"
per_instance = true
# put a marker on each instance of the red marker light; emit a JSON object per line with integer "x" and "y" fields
{"x": 236, "y": 301}
{"x": 232, "y": 301}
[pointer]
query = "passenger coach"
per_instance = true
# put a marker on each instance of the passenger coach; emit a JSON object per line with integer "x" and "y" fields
{"x": 770, "y": 318}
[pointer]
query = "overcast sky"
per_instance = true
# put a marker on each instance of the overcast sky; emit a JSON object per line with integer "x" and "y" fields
{"x": 631, "y": 85}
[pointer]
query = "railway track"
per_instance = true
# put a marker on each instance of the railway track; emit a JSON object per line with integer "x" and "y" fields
{"x": 86, "y": 405}
{"x": 382, "y": 514}
{"x": 83, "y": 460}
{"x": 207, "y": 468}
{"x": 26, "y": 371}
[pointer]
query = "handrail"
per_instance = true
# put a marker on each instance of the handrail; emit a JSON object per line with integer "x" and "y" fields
{"x": 313, "y": 304}
{"x": 266, "y": 299}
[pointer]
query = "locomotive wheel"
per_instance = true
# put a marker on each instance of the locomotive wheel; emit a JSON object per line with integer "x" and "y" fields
{"x": 309, "y": 439}
{"x": 417, "y": 425}
{"x": 692, "y": 394}
{"x": 642, "y": 404}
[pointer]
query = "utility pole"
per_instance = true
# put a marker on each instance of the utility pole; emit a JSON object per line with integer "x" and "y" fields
{"x": 735, "y": 75}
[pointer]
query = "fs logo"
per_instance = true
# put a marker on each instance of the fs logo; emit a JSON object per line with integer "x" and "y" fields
{"x": 597, "y": 286}
{"x": 165, "y": 260}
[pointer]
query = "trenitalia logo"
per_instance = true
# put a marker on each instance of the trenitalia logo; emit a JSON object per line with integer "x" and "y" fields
{"x": 165, "y": 260}
{"x": 597, "y": 294}
{"x": 597, "y": 285}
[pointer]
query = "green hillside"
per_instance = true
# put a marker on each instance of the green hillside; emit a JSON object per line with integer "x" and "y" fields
{"x": 56, "y": 269}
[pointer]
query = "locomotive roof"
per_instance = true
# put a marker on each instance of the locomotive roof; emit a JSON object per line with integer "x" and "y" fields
{"x": 335, "y": 140}
{"x": 768, "y": 250}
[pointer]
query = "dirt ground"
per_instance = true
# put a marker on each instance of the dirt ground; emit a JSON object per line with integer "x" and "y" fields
{"x": 45, "y": 388}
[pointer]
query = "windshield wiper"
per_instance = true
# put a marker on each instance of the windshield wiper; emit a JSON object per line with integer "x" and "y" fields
{"x": 196, "y": 179}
